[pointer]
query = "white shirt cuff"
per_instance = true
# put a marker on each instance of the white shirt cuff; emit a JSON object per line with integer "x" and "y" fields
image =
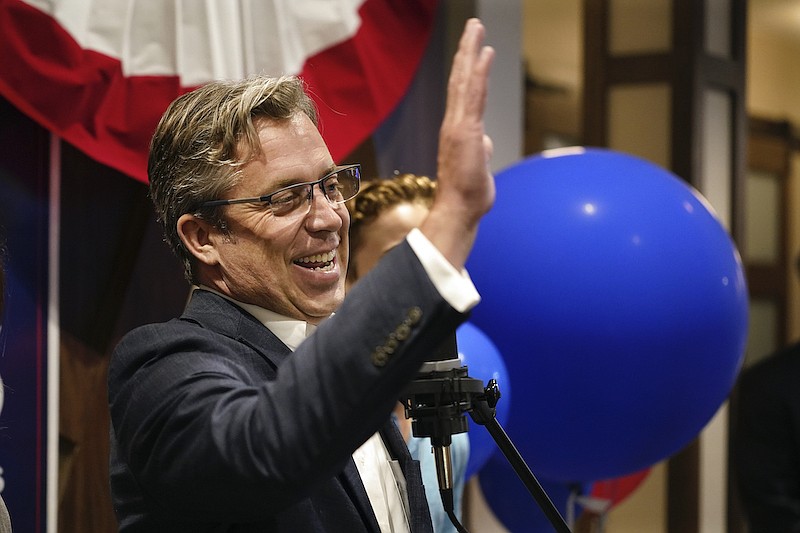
{"x": 454, "y": 286}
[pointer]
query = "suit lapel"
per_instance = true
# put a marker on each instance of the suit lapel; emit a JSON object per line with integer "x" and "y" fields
{"x": 351, "y": 481}
{"x": 420, "y": 519}
{"x": 214, "y": 312}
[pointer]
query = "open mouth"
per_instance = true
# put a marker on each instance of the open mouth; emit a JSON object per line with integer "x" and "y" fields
{"x": 322, "y": 262}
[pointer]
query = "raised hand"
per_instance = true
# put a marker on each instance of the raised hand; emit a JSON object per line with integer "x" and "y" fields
{"x": 465, "y": 183}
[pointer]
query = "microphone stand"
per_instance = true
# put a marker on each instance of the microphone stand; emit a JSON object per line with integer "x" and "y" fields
{"x": 436, "y": 402}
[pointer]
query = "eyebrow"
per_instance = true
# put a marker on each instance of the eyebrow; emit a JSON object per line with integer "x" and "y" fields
{"x": 282, "y": 184}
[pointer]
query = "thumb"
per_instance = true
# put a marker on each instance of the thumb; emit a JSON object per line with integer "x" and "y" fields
{"x": 488, "y": 147}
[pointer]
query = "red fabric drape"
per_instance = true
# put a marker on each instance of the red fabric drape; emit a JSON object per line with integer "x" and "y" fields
{"x": 84, "y": 97}
{"x": 617, "y": 489}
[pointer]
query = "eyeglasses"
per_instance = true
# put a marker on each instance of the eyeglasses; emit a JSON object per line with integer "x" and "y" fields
{"x": 338, "y": 186}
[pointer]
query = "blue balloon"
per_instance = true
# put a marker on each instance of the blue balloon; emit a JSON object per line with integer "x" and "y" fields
{"x": 484, "y": 362}
{"x": 620, "y": 306}
{"x": 514, "y": 506}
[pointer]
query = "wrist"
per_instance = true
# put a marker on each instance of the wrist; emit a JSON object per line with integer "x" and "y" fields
{"x": 452, "y": 233}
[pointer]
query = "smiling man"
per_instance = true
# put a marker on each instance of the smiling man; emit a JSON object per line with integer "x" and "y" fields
{"x": 284, "y": 246}
{"x": 260, "y": 409}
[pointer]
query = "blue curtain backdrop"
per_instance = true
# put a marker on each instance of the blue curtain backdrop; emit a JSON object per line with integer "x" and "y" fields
{"x": 23, "y": 338}
{"x": 115, "y": 273}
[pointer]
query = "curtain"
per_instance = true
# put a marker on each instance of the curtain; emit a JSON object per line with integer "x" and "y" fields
{"x": 99, "y": 73}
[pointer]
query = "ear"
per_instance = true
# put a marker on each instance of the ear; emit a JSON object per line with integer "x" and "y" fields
{"x": 197, "y": 236}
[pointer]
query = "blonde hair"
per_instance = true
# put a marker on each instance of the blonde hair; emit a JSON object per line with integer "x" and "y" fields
{"x": 204, "y": 138}
{"x": 379, "y": 195}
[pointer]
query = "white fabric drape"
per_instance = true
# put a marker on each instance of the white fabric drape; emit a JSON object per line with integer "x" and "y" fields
{"x": 202, "y": 40}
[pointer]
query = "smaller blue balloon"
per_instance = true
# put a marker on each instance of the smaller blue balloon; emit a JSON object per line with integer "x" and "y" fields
{"x": 514, "y": 506}
{"x": 483, "y": 361}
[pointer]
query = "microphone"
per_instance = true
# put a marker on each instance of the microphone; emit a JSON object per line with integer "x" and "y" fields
{"x": 437, "y": 401}
{"x": 437, "y": 398}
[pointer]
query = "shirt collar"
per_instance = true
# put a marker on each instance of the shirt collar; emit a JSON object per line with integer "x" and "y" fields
{"x": 290, "y": 331}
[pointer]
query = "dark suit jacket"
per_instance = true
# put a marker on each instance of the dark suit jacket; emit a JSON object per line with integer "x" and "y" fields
{"x": 217, "y": 426}
{"x": 766, "y": 444}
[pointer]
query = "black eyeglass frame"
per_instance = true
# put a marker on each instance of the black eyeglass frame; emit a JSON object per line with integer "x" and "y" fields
{"x": 267, "y": 198}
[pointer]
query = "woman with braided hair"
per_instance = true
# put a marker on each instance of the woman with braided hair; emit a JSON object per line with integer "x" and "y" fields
{"x": 381, "y": 216}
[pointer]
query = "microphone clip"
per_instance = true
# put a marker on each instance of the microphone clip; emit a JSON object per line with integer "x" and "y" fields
{"x": 437, "y": 400}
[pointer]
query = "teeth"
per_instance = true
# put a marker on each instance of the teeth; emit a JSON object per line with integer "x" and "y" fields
{"x": 318, "y": 258}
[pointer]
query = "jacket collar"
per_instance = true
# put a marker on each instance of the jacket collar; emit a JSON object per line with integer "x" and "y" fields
{"x": 222, "y": 315}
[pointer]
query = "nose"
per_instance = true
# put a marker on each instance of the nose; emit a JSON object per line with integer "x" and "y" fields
{"x": 323, "y": 214}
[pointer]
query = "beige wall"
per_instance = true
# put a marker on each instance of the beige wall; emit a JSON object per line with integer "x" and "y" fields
{"x": 773, "y": 92}
{"x": 773, "y": 74}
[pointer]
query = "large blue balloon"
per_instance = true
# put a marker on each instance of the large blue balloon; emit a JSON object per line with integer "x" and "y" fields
{"x": 619, "y": 304}
{"x": 483, "y": 362}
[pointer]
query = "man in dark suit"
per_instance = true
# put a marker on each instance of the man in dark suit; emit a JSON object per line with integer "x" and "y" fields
{"x": 767, "y": 442}
{"x": 259, "y": 409}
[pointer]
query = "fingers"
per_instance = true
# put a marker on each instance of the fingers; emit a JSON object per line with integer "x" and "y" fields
{"x": 466, "y": 187}
{"x": 488, "y": 147}
{"x": 464, "y": 148}
{"x": 468, "y": 83}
